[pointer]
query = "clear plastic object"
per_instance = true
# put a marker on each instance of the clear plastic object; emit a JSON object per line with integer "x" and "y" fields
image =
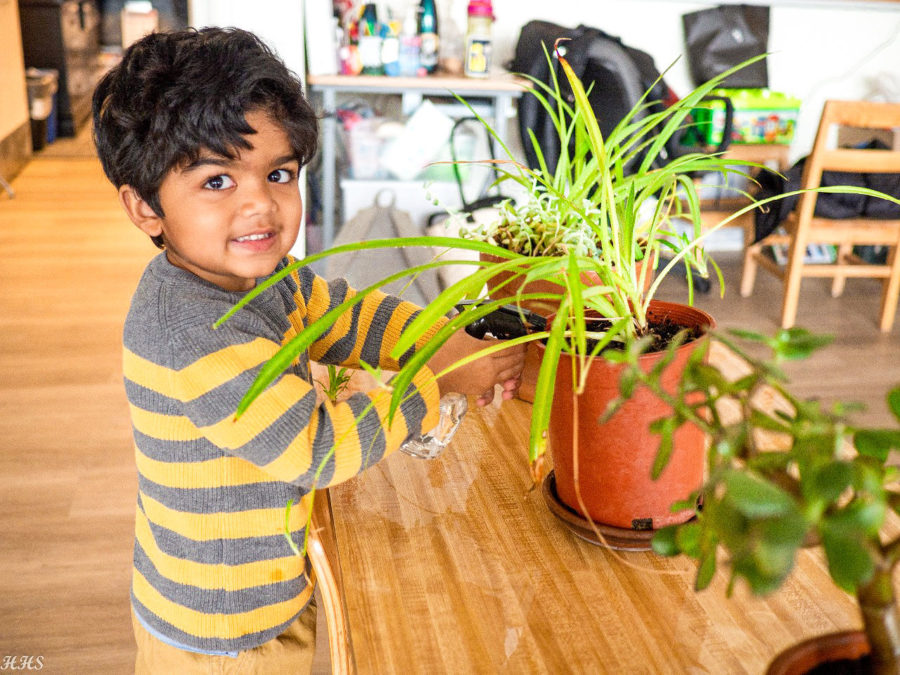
{"x": 428, "y": 446}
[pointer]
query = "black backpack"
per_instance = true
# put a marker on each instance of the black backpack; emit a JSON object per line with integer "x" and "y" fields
{"x": 828, "y": 204}
{"x": 618, "y": 76}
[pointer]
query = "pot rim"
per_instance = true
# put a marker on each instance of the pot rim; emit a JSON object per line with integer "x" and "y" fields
{"x": 707, "y": 324}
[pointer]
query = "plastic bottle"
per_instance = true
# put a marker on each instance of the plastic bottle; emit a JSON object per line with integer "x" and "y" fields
{"x": 370, "y": 41}
{"x": 478, "y": 38}
{"x": 453, "y": 408}
{"x": 409, "y": 46}
{"x": 428, "y": 33}
{"x": 390, "y": 48}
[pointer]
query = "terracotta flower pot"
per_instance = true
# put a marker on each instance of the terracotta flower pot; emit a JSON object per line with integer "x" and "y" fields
{"x": 818, "y": 651}
{"x": 614, "y": 460}
{"x": 545, "y": 308}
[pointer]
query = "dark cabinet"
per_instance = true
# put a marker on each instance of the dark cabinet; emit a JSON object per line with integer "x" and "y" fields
{"x": 65, "y": 35}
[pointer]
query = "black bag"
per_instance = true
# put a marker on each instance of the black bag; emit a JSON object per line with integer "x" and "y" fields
{"x": 719, "y": 38}
{"x": 828, "y": 204}
{"x": 617, "y": 74}
{"x": 366, "y": 267}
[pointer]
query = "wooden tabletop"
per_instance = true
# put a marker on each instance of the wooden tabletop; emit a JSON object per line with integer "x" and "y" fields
{"x": 456, "y": 565}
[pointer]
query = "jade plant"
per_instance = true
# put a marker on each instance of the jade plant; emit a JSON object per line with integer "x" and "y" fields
{"x": 785, "y": 476}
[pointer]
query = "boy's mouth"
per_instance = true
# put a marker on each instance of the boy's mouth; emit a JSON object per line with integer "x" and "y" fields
{"x": 254, "y": 237}
{"x": 257, "y": 242}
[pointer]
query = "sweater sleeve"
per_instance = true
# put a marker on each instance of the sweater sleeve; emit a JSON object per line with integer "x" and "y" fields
{"x": 286, "y": 432}
{"x": 368, "y": 333}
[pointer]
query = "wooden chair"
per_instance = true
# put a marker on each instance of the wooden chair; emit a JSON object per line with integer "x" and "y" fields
{"x": 323, "y": 556}
{"x": 803, "y": 227}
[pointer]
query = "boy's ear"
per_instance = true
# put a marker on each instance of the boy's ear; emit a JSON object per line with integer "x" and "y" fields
{"x": 139, "y": 211}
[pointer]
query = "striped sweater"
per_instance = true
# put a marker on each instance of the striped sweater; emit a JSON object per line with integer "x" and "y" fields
{"x": 212, "y": 569}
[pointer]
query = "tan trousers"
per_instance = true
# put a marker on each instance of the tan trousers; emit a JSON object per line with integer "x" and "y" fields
{"x": 290, "y": 653}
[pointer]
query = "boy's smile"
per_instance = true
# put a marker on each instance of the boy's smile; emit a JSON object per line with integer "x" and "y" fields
{"x": 229, "y": 221}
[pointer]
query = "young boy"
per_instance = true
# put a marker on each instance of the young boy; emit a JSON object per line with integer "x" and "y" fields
{"x": 203, "y": 133}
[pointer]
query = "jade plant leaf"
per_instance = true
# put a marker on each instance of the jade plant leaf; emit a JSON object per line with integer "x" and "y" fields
{"x": 876, "y": 443}
{"x": 756, "y": 497}
{"x": 795, "y": 343}
{"x": 830, "y": 481}
{"x": 893, "y": 399}
{"x": 664, "y": 542}
{"x": 849, "y": 562}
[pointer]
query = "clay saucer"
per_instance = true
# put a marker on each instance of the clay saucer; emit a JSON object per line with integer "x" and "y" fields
{"x": 610, "y": 537}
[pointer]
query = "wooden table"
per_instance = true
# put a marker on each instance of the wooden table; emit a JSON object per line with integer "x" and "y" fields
{"x": 456, "y": 566}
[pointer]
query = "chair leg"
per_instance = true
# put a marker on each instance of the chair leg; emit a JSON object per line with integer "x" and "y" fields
{"x": 837, "y": 285}
{"x": 793, "y": 274}
{"x": 890, "y": 291}
{"x": 748, "y": 275}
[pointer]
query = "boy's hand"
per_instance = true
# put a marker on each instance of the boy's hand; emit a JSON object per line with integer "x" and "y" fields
{"x": 479, "y": 377}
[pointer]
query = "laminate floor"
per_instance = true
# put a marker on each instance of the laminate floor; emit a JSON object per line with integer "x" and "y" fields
{"x": 861, "y": 364}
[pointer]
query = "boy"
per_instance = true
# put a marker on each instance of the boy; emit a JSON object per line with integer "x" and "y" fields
{"x": 203, "y": 133}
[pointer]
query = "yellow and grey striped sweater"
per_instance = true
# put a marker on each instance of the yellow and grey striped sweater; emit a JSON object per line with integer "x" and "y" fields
{"x": 212, "y": 570}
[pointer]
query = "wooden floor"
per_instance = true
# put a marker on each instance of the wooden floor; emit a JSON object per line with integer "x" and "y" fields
{"x": 860, "y": 365}
{"x": 69, "y": 261}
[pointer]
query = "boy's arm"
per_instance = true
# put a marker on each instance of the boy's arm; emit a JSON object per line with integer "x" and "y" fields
{"x": 285, "y": 432}
{"x": 367, "y": 333}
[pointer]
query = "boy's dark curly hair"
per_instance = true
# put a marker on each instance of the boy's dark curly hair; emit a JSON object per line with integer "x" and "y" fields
{"x": 175, "y": 94}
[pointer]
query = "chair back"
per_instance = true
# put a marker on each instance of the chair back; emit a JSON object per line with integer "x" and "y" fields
{"x": 826, "y": 157}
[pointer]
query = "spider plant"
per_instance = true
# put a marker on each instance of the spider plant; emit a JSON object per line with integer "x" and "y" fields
{"x": 609, "y": 200}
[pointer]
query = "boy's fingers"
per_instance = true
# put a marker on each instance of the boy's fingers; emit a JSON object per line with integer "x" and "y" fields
{"x": 485, "y": 398}
{"x": 511, "y": 384}
{"x": 511, "y": 373}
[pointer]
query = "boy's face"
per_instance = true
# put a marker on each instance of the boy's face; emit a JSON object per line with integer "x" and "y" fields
{"x": 229, "y": 221}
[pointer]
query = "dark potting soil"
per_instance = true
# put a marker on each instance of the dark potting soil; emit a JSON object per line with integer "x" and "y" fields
{"x": 662, "y": 333}
{"x": 860, "y": 666}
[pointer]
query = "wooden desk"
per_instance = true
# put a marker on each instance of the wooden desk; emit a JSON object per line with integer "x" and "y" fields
{"x": 455, "y": 566}
{"x": 500, "y": 90}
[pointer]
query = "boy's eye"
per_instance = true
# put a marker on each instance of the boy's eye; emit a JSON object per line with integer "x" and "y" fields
{"x": 281, "y": 176}
{"x": 220, "y": 182}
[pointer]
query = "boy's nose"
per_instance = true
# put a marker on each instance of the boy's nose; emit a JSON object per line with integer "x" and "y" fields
{"x": 257, "y": 200}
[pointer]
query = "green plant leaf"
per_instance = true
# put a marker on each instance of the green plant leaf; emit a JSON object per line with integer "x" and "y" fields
{"x": 706, "y": 571}
{"x": 830, "y": 481}
{"x": 543, "y": 394}
{"x": 860, "y": 518}
{"x": 849, "y": 562}
{"x": 893, "y": 399}
{"x": 666, "y": 429}
{"x": 770, "y": 461}
{"x": 688, "y": 538}
{"x": 756, "y": 497}
{"x": 876, "y": 443}
{"x": 798, "y": 343}
{"x": 749, "y": 335}
{"x": 664, "y": 541}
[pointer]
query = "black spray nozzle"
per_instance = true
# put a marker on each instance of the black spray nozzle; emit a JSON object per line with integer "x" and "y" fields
{"x": 504, "y": 323}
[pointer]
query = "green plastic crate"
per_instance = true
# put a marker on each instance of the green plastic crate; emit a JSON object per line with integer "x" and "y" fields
{"x": 760, "y": 116}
